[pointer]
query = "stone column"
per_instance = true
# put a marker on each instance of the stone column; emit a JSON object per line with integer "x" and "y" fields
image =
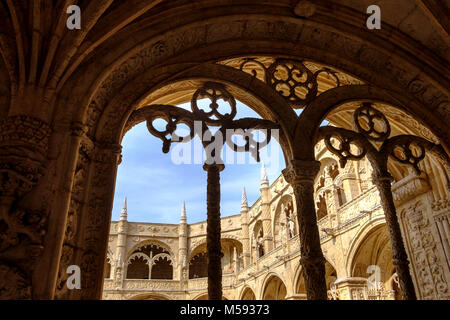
{"x": 400, "y": 257}
{"x": 95, "y": 220}
{"x": 265, "y": 211}
{"x": 182, "y": 244}
{"x": 244, "y": 231}
{"x": 120, "y": 269}
{"x": 300, "y": 174}
{"x": 213, "y": 246}
{"x": 236, "y": 262}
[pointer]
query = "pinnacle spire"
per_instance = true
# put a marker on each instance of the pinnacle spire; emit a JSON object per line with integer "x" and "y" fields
{"x": 124, "y": 213}
{"x": 183, "y": 213}
{"x": 264, "y": 179}
{"x": 244, "y": 203}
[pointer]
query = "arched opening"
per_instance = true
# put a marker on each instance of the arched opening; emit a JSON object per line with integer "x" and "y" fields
{"x": 248, "y": 294}
{"x": 205, "y": 297}
{"x": 138, "y": 268}
{"x": 150, "y": 261}
{"x": 373, "y": 260}
{"x": 198, "y": 266}
{"x": 285, "y": 221}
{"x": 329, "y": 196}
{"x": 274, "y": 289}
{"x": 258, "y": 240}
{"x": 107, "y": 271}
{"x": 231, "y": 263}
{"x": 330, "y": 278}
{"x": 162, "y": 268}
{"x": 150, "y": 297}
{"x": 81, "y": 90}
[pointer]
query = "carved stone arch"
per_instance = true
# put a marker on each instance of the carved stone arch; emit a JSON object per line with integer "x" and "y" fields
{"x": 196, "y": 246}
{"x": 358, "y": 240}
{"x": 250, "y": 91}
{"x": 138, "y": 266}
{"x": 139, "y": 255}
{"x": 266, "y": 281}
{"x": 151, "y": 296}
{"x": 287, "y": 48}
{"x": 162, "y": 256}
{"x": 162, "y": 266}
{"x": 204, "y": 296}
{"x": 324, "y": 104}
{"x": 247, "y": 292}
{"x": 298, "y": 280}
{"x": 374, "y": 66}
{"x": 156, "y": 242}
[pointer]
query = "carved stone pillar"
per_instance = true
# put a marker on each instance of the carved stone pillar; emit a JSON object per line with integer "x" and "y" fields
{"x": 182, "y": 244}
{"x": 300, "y": 174}
{"x": 245, "y": 232}
{"x": 24, "y": 145}
{"x": 97, "y": 219}
{"x": 265, "y": 211}
{"x": 213, "y": 228}
{"x": 400, "y": 258}
{"x": 121, "y": 250}
{"x": 91, "y": 205}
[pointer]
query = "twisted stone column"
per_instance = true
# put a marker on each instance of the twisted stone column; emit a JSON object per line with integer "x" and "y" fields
{"x": 213, "y": 247}
{"x": 300, "y": 174}
{"x": 400, "y": 257}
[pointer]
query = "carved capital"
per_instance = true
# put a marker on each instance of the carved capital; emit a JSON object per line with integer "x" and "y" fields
{"x": 107, "y": 153}
{"x": 300, "y": 171}
{"x": 409, "y": 188}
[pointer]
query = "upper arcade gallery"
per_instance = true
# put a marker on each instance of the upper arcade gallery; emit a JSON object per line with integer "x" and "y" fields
{"x": 67, "y": 98}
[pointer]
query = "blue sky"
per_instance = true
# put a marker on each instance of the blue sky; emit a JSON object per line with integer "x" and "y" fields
{"x": 155, "y": 186}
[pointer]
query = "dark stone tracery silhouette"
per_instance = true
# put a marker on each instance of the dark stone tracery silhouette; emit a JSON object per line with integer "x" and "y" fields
{"x": 213, "y": 163}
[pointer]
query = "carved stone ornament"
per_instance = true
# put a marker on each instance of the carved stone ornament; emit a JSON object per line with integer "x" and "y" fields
{"x": 23, "y": 152}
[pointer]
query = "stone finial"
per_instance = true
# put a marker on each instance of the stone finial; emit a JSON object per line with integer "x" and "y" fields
{"x": 124, "y": 213}
{"x": 244, "y": 203}
{"x": 264, "y": 179}
{"x": 183, "y": 213}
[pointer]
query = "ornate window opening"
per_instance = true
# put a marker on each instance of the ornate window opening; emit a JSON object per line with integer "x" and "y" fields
{"x": 258, "y": 239}
{"x": 285, "y": 221}
{"x": 150, "y": 262}
{"x": 162, "y": 267}
{"x": 198, "y": 266}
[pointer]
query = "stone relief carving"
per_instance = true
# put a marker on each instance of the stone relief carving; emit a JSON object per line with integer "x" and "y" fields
{"x": 426, "y": 262}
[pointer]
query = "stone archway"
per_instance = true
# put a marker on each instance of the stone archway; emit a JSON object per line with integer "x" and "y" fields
{"x": 150, "y": 297}
{"x": 274, "y": 289}
{"x": 80, "y": 106}
{"x": 300, "y": 287}
{"x": 247, "y": 294}
{"x": 204, "y": 296}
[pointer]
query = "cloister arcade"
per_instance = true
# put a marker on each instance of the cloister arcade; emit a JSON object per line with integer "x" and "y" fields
{"x": 69, "y": 97}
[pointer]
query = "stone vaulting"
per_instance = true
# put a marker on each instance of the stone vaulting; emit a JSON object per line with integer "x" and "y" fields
{"x": 376, "y": 177}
